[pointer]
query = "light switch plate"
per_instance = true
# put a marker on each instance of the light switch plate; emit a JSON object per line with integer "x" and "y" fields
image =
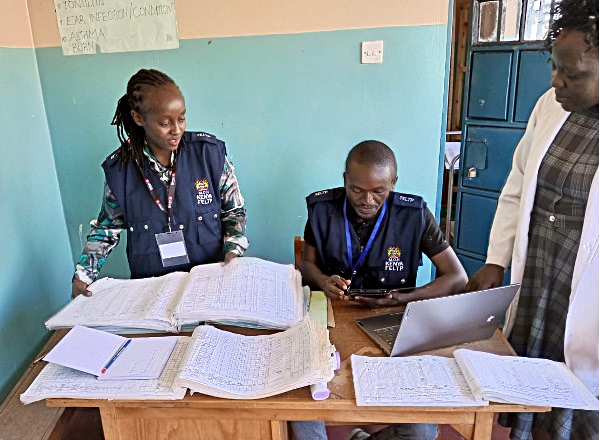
{"x": 371, "y": 52}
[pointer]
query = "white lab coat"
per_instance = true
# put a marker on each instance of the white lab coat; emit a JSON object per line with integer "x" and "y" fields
{"x": 509, "y": 240}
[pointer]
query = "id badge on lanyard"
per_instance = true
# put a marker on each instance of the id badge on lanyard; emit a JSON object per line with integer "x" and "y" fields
{"x": 171, "y": 245}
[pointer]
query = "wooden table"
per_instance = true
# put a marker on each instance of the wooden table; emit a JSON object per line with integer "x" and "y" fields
{"x": 210, "y": 418}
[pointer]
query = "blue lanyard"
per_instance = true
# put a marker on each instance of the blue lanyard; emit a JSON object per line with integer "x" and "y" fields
{"x": 371, "y": 238}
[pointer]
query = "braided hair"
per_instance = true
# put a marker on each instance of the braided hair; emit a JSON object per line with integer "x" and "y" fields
{"x": 131, "y": 135}
{"x": 579, "y": 15}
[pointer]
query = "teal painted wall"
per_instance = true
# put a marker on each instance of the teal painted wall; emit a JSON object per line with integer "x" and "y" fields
{"x": 289, "y": 107}
{"x": 35, "y": 259}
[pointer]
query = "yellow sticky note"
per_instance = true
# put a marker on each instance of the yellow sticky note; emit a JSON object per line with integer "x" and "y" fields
{"x": 318, "y": 307}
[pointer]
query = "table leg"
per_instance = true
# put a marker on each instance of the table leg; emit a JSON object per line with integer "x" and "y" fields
{"x": 484, "y": 422}
{"x": 465, "y": 430}
{"x": 279, "y": 430}
{"x": 109, "y": 423}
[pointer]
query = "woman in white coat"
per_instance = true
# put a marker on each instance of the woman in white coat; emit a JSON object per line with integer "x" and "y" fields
{"x": 546, "y": 225}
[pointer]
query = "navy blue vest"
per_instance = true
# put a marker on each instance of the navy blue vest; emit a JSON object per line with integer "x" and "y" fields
{"x": 196, "y": 207}
{"x": 395, "y": 255}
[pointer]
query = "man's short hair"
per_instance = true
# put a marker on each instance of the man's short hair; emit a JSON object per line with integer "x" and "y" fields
{"x": 373, "y": 153}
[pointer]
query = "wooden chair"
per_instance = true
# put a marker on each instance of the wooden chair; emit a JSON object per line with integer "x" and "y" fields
{"x": 298, "y": 250}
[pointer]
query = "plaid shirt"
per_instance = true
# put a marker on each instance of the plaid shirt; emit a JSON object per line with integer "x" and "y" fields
{"x": 563, "y": 185}
{"x": 106, "y": 229}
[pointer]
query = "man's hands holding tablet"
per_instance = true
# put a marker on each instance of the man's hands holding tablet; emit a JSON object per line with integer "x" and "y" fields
{"x": 380, "y": 297}
{"x": 371, "y": 293}
{"x": 337, "y": 287}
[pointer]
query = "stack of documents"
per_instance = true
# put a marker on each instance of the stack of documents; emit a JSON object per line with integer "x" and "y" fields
{"x": 112, "y": 357}
{"x": 57, "y": 381}
{"x": 472, "y": 378}
{"x": 211, "y": 361}
{"x": 223, "y": 364}
{"x": 247, "y": 291}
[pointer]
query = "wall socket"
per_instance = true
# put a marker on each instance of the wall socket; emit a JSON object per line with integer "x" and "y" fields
{"x": 371, "y": 52}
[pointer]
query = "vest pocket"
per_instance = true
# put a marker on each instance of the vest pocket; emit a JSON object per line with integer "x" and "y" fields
{"x": 208, "y": 226}
{"x": 140, "y": 236}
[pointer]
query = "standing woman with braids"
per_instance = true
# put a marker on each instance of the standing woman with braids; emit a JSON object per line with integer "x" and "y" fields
{"x": 175, "y": 192}
{"x": 547, "y": 225}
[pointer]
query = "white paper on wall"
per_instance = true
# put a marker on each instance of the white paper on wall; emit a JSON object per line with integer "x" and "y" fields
{"x": 116, "y": 25}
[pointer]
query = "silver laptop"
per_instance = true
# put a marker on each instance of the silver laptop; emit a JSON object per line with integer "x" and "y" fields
{"x": 440, "y": 322}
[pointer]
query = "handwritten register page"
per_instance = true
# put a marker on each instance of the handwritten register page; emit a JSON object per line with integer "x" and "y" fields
{"x": 247, "y": 288}
{"x": 248, "y": 292}
{"x": 224, "y": 364}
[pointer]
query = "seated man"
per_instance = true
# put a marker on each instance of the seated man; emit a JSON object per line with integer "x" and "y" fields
{"x": 364, "y": 235}
{"x": 383, "y": 232}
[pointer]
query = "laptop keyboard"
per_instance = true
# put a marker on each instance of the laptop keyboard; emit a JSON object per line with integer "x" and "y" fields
{"x": 388, "y": 334}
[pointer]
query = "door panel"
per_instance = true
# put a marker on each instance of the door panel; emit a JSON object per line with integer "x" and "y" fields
{"x": 533, "y": 79}
{"x": 490, "y": 85}
{"x": 488, "y": 156}
{"x": 476, "y": 216}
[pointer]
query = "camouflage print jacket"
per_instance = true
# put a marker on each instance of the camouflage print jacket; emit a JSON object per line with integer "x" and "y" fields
{"x": 106, "y": 229}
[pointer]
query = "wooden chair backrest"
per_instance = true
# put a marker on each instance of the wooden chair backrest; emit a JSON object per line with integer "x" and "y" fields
{"x": 298, "y": 250}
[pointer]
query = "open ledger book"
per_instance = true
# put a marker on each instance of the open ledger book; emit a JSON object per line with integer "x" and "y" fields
{"x": 213, "y": 362}
{"x": 471, "y": 378}
{"x": 247, "y": 291}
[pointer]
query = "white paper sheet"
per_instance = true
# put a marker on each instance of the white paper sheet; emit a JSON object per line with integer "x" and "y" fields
{"x": 85, "y": 349}
{"x": 144, "y": 358}
{"x": 451, "y": 150}
{"x": 410, "y": 381}
{"x": 523, "y": 380}
{"x": 56, "y": 381}
{"x": 115, "y": 25}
